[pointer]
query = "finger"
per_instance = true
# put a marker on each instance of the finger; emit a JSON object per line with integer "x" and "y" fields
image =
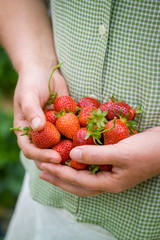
{"x": 32, "y": 111}
{"x": 34, "y": 153}
{"x": 102, "y": 181}
{"x": 95, "y": 155}
{"x": 28, "y": 149}
{"x": 74, "y": 189}
{"x": 38, "y": 164}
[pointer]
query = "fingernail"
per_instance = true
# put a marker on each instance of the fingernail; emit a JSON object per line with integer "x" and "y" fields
{"x": 35, "y": 123}
{"x": 76, "y": 154}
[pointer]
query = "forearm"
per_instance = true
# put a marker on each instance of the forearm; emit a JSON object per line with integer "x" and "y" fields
{"x": 26, "y": 33}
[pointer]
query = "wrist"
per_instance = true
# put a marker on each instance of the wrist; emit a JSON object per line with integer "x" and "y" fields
{"x": 31, "y": 61}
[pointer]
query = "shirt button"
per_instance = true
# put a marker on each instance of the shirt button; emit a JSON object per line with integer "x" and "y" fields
{"x": 102, "y": 30}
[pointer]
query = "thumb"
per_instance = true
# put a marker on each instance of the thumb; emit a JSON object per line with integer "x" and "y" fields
{"x": 94, "y": 155}
{"x": 32, "y": 111}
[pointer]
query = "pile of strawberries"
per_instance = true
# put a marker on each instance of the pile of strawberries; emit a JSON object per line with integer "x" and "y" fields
{"x": 87, "y": 122}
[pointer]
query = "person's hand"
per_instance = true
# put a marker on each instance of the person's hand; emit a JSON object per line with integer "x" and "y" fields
{"x": 134, "y": 159}
{"x": 30, "y": 97}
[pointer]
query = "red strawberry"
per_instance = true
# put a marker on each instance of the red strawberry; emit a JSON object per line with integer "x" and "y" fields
{"x": 117, "y": 133}
{"x": 107, "y": 167}
{"x": 68, "y": 125}
{"x": 105, "y": 106}
{"x": 47, "y": 110}
{"x": 65, "y": 103}
{"x": 88, "y": 101}
{"x": 79, "y": 138}
{"x": 50, "y": 116}
{"x": 95, "y": 168}
{"x": 120, "y": 109}
{"x": 63, "y": 148}
{"x": 78, "y": 165}
{"x": 85, "y": 114}
{"x": 47, "y": 137}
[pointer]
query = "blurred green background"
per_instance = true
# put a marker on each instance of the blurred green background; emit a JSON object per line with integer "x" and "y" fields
{"x": 11, "y": 170}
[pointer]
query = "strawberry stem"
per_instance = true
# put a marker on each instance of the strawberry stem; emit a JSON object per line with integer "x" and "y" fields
{"x": 95, "y": 133}
{"x": 61, "y": 113}
{"x": 132, "y": 125}
{"x": 120, "y": 112}
{"x": 68, "y": 163}
{"x": 52, "y": 96}
{"x": 113, "y": 99}
{"x": 97, "y": 119}
{"x": 25, "y": 130}
{"x": 93, "y": 169}
{"x": 138, "y": 111}
{"x": 18, "y": 129}
{"x": 78, "y": 109}
{"x": 114, "y": 125}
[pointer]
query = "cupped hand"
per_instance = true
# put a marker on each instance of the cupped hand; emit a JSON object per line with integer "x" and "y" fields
{"x": 134, "y": 160}
{"x": 30, "y": 97}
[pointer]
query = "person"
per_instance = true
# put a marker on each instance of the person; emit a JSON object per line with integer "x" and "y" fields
{"x": 109, "y": 47}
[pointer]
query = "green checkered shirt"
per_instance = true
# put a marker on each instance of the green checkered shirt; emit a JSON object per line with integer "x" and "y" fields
{"x": 110, "y": 47}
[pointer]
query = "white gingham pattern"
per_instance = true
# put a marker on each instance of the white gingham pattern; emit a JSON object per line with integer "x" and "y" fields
{"x": 124, "y": 61}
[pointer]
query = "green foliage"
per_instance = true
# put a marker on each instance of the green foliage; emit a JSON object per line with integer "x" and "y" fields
{"x": 8, "y": 76}
{"x": 11, "y": 170}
